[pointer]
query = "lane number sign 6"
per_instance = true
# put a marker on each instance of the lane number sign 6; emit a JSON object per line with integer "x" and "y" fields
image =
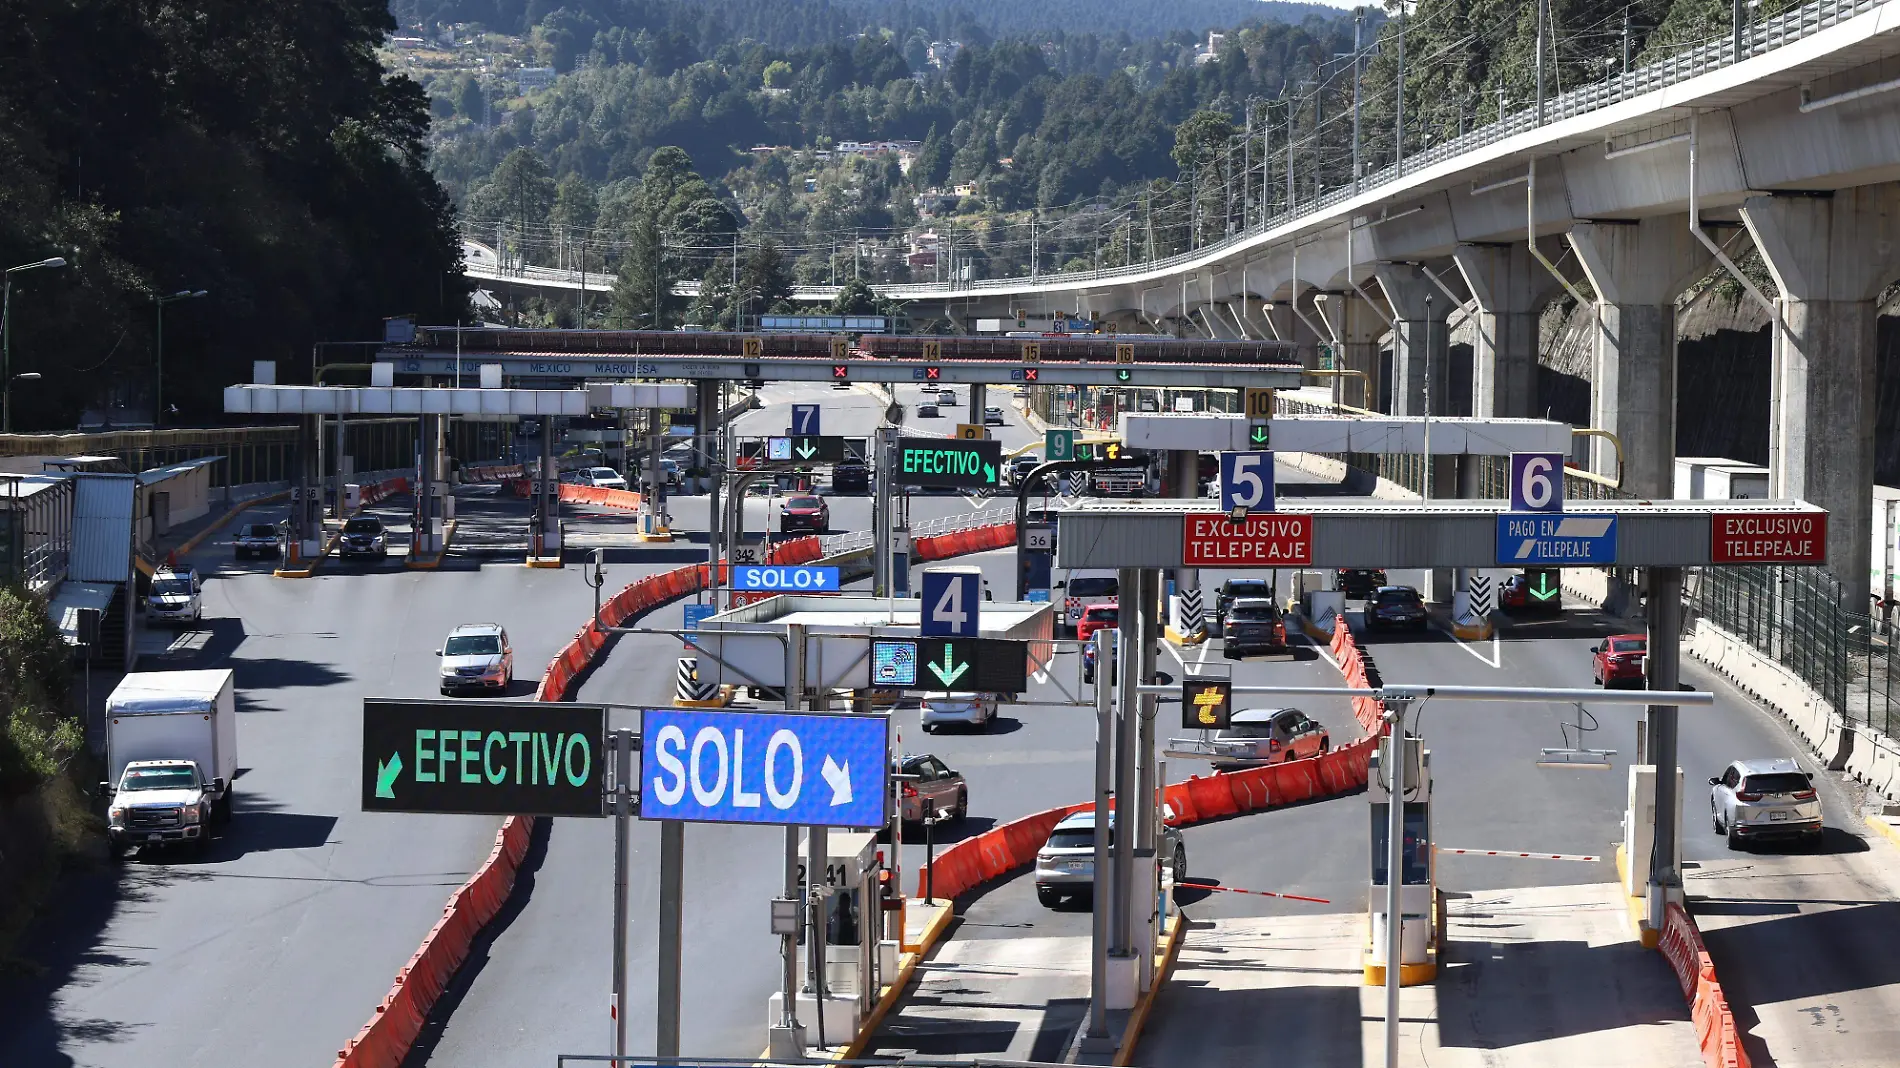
{"x": 1537, "y": 482}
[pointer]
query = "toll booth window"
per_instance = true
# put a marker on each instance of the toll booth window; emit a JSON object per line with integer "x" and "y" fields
{"x": 1418, "y": 846}
{"x": 841, "y": 918}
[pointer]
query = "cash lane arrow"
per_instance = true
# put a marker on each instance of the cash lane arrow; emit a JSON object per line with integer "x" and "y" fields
{"x": 949, "y": 671}
{"x": 386, "y": 773}
{"x": 989, "y": 473}
{"x": 1259, "y": 435}
{"x": 805, "y": 451}
{"x": 1544, "y": 591}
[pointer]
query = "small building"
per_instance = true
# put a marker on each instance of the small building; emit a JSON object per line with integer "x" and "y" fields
{"x": 534, "y": 79}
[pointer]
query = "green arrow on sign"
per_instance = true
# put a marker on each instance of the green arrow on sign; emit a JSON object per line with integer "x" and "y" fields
{"x": 949, "y": 671}
{"x": 1260, "y": 435}
{"x": 989, "y": 473}
{"x": 1123, "y": 376}
{"x": 386, "y": 772}
{"x": 805, "y": 451}
{"x": 1544, "y": 591}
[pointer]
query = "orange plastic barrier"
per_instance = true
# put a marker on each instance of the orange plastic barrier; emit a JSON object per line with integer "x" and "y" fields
{"x": 1681, "y": 945}
{"x": 1210, "y": 798}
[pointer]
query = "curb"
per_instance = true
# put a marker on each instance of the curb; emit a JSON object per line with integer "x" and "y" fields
{"x": 1138, "y": 1019}
{"x": 544, "y": 561}
{"x": 1649, "y": 937}
{"x": 236, "y": 510}
{"x": 1178, "y": 638}
{"x": 1471, "y": 632}
{"x": 1884, "y": 829}
{"x": 414, "y": 563}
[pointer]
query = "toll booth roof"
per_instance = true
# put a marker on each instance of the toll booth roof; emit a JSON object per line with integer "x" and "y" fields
{"x": 999, "y": 619}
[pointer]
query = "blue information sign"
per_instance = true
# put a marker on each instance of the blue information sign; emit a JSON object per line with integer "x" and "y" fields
{"x": 950, "y": 603}
{"x": 1246, "y": 481}
{"x": 695, "y": 613}
{"x": 785, "y": 578}
{"x": 809, "y": 768}
{"x": 1556, "y": 540}
{"x": 894, "y": 663}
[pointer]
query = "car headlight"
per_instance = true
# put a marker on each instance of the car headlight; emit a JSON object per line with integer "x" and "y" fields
{"x": 191, "y": 814}
{"x": 115, "y": 815}
{"x": 493, "y": 669}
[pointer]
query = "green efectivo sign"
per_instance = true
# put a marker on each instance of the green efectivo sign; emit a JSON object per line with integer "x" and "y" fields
{"x": 490, "y": 758}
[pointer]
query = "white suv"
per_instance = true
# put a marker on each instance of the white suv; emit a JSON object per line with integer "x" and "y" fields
{"x": 1754, "y": 799}
{"x": 477, "y": 656}
{"x": 175, "y": 597}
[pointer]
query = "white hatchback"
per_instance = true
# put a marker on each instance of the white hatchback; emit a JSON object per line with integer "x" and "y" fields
{"x": 968, "y": 709}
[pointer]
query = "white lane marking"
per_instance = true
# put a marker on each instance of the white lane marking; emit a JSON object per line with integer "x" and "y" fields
{"x": 1497, "y": 650}
{"x": 1515, "y": 855}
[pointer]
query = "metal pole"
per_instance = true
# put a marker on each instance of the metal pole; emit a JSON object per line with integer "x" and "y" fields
{"x": 623, "y": 821}
{"x": 1358, "y": 31}
{"x": 1626, "y": 39}
{"x": 788, "y": 944}
{"x": 1398, "y": 124}
{"x": 666, "y": 1042}
{"x": 1426, "y": 400}
{"x": 1143, "y": 803}
{"x": 1394, "y": 876}
{"x": 1538, "y": 53}
{"x": 1106, "y": 665}
{"x": 1664, "y": 666}
{"x": 1128, "y": 707}
{"x": 158, "y": 383}
{"x": 6, "y": 356}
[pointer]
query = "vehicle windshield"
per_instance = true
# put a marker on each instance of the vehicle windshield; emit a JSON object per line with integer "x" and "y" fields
{"x": 1249, "y": 589}
{"x": 805, "y": 503}
{"x": 1104, "y": 615}
{"x": 1247, "y": 730}
{"x": 1252, "y": 613}
{"x": 604, "y": 472}
{"x": 363, "y": 525}
{"x": 1093, "y": 587}
{"x": 1778, "y": 782}
{"x": 172, "y": 587}
{"x": 1076, "y": 838}
{"x": 472, "y": 645}
{"x": 1629, "y": 645}
{"x": 260, "y": 530}
{"x": 1398, "y": 596}
{"x": 174, "y": 778}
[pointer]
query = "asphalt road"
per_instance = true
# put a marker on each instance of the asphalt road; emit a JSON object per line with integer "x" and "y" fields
{"x": 275, "y": 947}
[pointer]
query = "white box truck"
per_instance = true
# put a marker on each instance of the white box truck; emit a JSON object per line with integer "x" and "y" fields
{"x": 171, "y": 754}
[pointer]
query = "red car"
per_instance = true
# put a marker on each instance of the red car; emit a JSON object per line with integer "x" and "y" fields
{"x": 805, "y": 513}
{"x": 1619, "y": 660}
{"x": 1094, "y": 618}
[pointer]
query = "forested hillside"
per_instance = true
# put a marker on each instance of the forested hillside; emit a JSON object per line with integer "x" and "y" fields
{"x": 256, "y": 151}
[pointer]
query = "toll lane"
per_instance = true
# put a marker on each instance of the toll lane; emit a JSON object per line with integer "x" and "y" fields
{"x": 304, "y": 900}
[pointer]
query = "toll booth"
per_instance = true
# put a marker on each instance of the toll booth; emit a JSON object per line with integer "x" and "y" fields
{"x": 1639, "y": 827}
{"x": 1420, "y": 930}
{"x": 852, "y": 945}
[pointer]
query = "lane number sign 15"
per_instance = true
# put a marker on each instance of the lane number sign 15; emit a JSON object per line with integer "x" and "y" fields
{"x": 1537, "y": 482}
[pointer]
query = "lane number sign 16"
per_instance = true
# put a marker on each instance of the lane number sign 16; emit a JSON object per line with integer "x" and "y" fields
{"x": 1537, "y": 482}
{"x": 1246, "y": 481}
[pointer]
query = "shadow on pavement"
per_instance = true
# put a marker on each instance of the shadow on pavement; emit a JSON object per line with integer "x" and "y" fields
{"x": 1487, "y": 989}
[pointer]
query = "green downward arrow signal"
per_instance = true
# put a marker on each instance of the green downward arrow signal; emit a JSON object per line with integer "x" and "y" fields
{"x": 989, "y": 473}
{"x": 805, "y": 451}
{"x": 949, "y": 671}
{"x": 1544, "y": 591}
{"x": 386, "y": 772}
{"x": 1259, "y": 435}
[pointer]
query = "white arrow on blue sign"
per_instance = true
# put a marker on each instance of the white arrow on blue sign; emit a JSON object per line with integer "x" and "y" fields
{"x": 785, "y": 578}
{"x": 811, "y": 769}
{"x": 950, "y": 603}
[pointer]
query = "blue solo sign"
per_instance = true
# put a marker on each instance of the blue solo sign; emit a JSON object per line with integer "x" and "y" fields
{"x": 782, "y": 578}
{"x": 806, "y": 768}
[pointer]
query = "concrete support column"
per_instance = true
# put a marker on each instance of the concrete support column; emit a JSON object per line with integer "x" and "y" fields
{"x": 1637, "y": 270}
{"x": 1421, "y": 344}
{"x": 1357, "y": 327}
{"x": 1186, "y": 611}
{"x": 706, "y": 400}
{"x": 1830, "y": 257}
{"x": 1511, "y": 289}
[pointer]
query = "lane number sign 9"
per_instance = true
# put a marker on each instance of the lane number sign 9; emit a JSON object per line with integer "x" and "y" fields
{"x": 1537, "y": 482}
{"x": 1246, "y": 481}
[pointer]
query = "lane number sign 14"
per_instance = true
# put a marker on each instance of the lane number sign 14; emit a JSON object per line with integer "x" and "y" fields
{"x": 1537, "y": 482}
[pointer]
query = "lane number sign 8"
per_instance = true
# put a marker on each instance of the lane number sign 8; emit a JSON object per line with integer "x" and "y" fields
{"x": 950, "y": 600}
{"x": 1537, "y": 482}
{"x": 1246, "y": 481}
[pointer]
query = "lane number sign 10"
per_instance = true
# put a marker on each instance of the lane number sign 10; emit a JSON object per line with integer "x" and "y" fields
{"x": 1537, "y": 482}
{"x": 1246, "y": 481}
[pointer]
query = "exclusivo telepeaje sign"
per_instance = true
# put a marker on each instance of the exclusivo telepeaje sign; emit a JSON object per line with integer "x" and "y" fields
{"x": 1768, "y": 538}
{"x": 1278, "y": 540}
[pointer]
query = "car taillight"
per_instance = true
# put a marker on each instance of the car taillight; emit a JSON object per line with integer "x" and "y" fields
{"x": 1804, "y": 795}
{"x": 1279, "y": 632}
{"x": 909, "y": 790}
{"x": 1749, "y": 795}
{"x": 1273, "y": 744}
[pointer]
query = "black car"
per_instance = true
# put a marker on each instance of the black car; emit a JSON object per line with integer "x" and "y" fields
{"x": 1253, "y": 626}
{"x": 1020, "y": 467}
{"x": 1358, "y": 582}
{"x": 850, "y": 478}
{"x": 1232, "y": 590}
{"x": 363, "y": 536}
{"x": 257, "y": 539}
{"x": 1395, "y": 606}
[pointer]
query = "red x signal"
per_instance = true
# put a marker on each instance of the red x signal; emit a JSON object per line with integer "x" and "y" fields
{"x": 839, "y": 370}
{"x": 933, "y": 373}
{"x": 1032, "y": 374}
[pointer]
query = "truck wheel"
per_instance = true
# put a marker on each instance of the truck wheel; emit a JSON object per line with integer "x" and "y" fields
{"x": 221, "y": 808}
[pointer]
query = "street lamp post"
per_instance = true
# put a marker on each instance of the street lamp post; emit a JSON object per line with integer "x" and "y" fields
{"x": 6, "y": 339}
{"x": 158, "y": 395}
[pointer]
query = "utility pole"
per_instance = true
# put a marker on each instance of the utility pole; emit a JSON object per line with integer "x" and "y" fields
{"x": 1266, "y": 165}
{"x": 1246, "y": 171}
{"x": 736, "y": 298}
{"x": 1539, "y": 54}
{"x": 1358, "y": 50}
{"x": 1398, "y": 124}
{"x": 1626, "y": 39}
{"x": 1291, "y": 114}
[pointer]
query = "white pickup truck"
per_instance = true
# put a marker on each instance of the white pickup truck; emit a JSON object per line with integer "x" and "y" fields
{"x": 171, "y": 751}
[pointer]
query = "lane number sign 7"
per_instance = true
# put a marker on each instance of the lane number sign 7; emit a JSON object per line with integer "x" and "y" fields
{"x": 1246, "y": 481}
{"x": 1537, "y": 482}
{"x": 805, "y": 420}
